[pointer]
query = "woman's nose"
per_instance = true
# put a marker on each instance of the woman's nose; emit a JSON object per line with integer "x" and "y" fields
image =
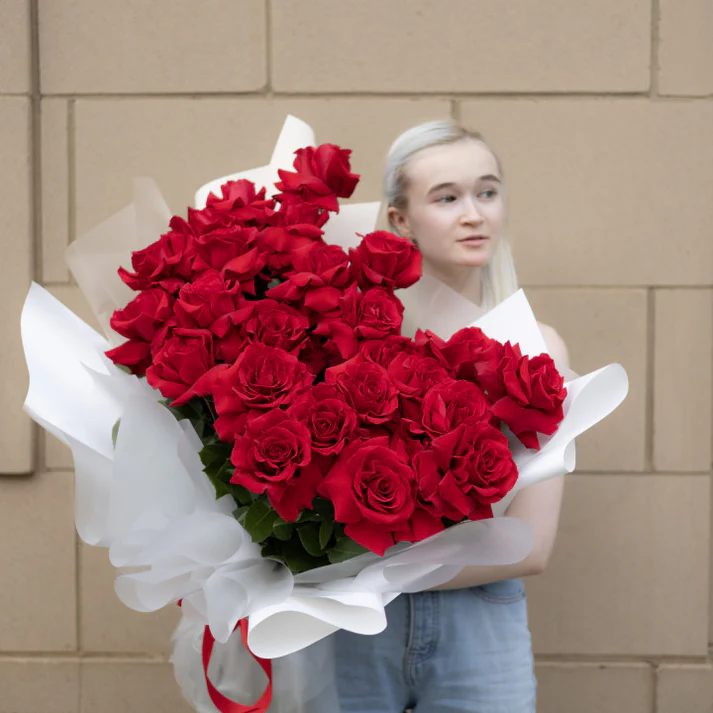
{"x": 471, "y": 215}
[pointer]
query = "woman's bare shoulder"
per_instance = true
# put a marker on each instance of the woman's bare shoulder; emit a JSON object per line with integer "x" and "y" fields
{"x": 555, "y": 344}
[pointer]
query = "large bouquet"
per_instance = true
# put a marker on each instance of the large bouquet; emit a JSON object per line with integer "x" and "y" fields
{"x": 348, "y": 462}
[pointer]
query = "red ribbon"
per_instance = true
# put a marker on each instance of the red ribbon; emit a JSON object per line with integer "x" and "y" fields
{"x": 223, "y": 704}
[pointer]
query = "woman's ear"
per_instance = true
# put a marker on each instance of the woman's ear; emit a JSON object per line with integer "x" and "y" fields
{"x": 399, "y": 221}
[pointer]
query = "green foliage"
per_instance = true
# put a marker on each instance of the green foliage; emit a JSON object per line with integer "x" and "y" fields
{"x": 314, "y": 540}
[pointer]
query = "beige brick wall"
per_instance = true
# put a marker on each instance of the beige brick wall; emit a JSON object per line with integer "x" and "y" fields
{"x": 603, "y": 115}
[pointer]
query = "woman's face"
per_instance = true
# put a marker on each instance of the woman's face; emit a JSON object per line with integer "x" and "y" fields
{"x": 455, "y": 210}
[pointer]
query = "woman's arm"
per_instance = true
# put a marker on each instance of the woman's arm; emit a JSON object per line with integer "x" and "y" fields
{"x": 537, "y": 505}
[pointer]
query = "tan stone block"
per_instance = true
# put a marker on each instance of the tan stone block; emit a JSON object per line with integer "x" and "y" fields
{"x": 108, "y": 625}
{"x": 15, "y": 274}
{"x": 685, "y": 52}
{"x": 38, "y": 598}
{"x": 592, "y": 188}
{"x": 14, "y": 46}
{"x": 599, "y": 327}
{"x": 629, "y": 575}
{"x": 39, "y": 685}
{"x": 118, "y": 687}
{"x": 686, "y": 688}
{"x": 594, "y": 688}
{"x": 55, "y": 189}
{"x": 184, "y": 143}
{"x": 683, "y": 392}
{"x": 57, "y": 456}
{"x": 162, "y": 46}
{"x": 417, "y": 46}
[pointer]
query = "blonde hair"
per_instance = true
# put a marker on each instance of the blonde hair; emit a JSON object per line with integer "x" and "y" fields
{"x": 498, "y": 277}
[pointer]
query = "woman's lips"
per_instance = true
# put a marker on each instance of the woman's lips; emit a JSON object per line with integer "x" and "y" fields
{"x": 474, "y": 240}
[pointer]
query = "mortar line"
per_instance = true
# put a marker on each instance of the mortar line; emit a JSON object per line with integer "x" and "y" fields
{"x": 35, "y": 130}
{"x": 78, "y": 591}
{"x": 268, "y": 47}
{"x": 650, "y": 376}
{"x": 83, "y": 656}
{"x": 71, "y": 174}
{"x": 459, "y": 96}
{"x": 363, "y": 94}
{"x": 710, "y": 571}
{"x": 654, "y": 55}
{"x": 455, "y": 111}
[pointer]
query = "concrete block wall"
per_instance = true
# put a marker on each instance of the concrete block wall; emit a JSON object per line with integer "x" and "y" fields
{"x": 602, "y": 114}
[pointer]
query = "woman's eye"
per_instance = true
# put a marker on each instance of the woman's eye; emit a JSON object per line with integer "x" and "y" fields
{"x": 445, "y": 199}
{"x": 489, "y": 194}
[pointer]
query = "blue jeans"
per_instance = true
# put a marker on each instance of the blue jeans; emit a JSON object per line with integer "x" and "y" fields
{"x": 456, "y": 651}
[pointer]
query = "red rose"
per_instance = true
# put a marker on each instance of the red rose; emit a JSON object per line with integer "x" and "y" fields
{"x": 283, "y": 244}
{"x": 135, "y": 355}
{"x": 276, "y": 325}
{"x": 328, "y": 263}
{"x": 451, "y": 403}
{"x": 167, "y": 263}
{"x": 184, "y": 357}
{"x": 374, "y": 493}
{"x": 320, "y": 274}
{"x": 314, "y": 355}
{"x": 291, "y": 214}
{"x": 142, "y": 317}
{"x": 331, "y": 421}
{"x": 385, "y": 259}
{"x": 474, "y": 356}
{"x": 238, "y": 205}
{"x": 534, "y": 392}
{"x": 214, "y": 250}
{"x": 414, "y": 374}
{"x": 321, "y": 175}
{"x": 384, "y": 351}
{"x": 207, "y": 299}
{"x": 465, "y": 471}
{"x": 367, "y": 388}
{"x": 143, "y": 321}
{"x": 294, "y": 228}
{"x": 261, "y": 378}
{"x": 329, "y": 163}
{"x": 340, "y": 337}
{"x": 273, "y": 457}
{"x": 245, "y": 268}
{"x": 379, "y": 314}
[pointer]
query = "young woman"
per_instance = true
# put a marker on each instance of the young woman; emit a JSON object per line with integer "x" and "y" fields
{"x": 466, "y": 647}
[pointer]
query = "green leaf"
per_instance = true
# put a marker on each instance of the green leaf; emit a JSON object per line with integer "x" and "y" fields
{"x": 115, "y": 432}
{"x": 282, "y": 530}
{"x": 221, "y": 488}
{"x": 309, "y": 537}
{"x": 325, "y": 533}
{"x": 302, "y": 562}
{"x": 241, "y": 494}
{"x": 293, "y": 554}
{"x": 308, "y": 516}
{"x": 240, "y": 512}
{"x": 344, "y": 550}
{"x": 215, "y": 453}
{"x": 259, "y": 520}
{"x": 299, "y": 560}
{"x": 200, "y": 427}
